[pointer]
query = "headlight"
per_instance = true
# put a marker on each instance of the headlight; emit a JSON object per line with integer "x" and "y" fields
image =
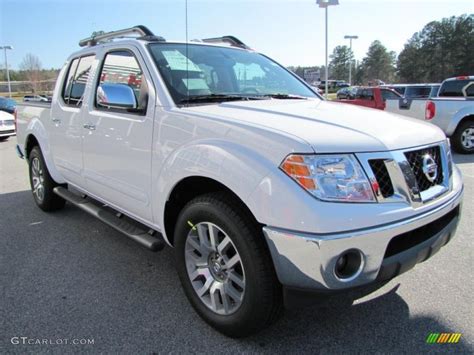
{"x": 330, "y": 177}
{"x": 449, "y": 157}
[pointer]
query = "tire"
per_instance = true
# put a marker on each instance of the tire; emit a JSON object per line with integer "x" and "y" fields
{"x": 42, "y": 184}
{"x": 463, "y": 138}
{"x": 259, "y": 302}
{"x": 2, "y": 139}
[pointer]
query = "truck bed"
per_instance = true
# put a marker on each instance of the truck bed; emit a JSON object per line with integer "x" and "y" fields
{"x": 27, "y": 113}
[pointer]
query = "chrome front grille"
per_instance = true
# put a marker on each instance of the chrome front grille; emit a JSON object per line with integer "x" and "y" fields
{"x": 7, "y": 122}
{"x": 415, "y": 176}
{"x": 384, "y": 183}
{"x": 415, "y": 159}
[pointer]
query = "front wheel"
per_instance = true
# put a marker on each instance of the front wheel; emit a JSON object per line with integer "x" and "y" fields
{"x": 463, "y": 138}
{"x": 224, "y": 266}
{"x": 42, "y": 184}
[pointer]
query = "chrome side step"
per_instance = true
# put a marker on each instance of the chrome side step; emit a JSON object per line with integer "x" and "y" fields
{"x": 150, "y": 239}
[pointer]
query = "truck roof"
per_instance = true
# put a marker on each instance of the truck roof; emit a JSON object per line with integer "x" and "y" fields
{"x": 462, "y": 77}
{"x": 143, "y": 34}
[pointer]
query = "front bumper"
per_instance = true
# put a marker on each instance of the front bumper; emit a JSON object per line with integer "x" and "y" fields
{"x": 308, "y": 261}
{"x": 7, "y": 131}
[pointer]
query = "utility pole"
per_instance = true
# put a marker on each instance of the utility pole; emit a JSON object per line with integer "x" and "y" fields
{"x": 350, "y": 38}
{"x": 325, "y": 4}
{"x": 6, "y": 69}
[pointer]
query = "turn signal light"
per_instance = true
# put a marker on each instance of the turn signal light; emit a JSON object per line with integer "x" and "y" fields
{"x": 295, "y": 166}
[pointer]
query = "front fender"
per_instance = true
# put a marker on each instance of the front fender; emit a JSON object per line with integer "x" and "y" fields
{"x": 35, "y": 128}
{"x": 238, "y": 168}
{"x": 457, "y": 118}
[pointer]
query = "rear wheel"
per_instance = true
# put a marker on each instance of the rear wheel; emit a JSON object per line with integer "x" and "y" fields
{"x": 224, "y": 266}
{"x": 42, "y": 184}
{"x": 463, "y": 138}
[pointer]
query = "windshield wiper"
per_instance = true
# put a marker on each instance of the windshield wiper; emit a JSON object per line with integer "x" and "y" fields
{"x": 285, "y": 96}
{"x": 217, "y": 98}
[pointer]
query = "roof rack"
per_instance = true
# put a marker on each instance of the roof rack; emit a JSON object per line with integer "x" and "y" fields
{"x": 233, "y": 41}
{"x": 142, "y": 31}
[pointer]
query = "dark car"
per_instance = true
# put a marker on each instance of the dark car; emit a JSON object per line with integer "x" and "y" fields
{"x": 346, "y": 93}
{"x": 7, "y": 105}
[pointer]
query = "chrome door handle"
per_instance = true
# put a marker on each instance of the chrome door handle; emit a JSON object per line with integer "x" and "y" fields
{"x": 90, "y": 127}
{"x": 56, "y": 120}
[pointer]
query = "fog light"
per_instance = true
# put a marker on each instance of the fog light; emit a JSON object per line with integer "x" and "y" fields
{"x": 349, "y": 265}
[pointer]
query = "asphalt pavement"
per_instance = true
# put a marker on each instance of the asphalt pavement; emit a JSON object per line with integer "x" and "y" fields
{"x": 66, "y": 278}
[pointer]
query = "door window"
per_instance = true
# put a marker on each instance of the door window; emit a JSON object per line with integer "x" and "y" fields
{"x": 122, "y": 86}
{"x": 76, "y": 80}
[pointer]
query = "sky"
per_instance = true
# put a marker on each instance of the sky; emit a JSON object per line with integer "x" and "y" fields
{"x": 289, "y": 31}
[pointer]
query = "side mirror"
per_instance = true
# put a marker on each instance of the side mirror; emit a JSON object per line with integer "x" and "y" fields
{"x": 118, "y": 96}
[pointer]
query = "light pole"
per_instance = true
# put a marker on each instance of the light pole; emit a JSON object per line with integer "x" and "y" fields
{"x": 350, "y": 38}
{"x": 6, "y": 68}
{"x": 325, "y": 4}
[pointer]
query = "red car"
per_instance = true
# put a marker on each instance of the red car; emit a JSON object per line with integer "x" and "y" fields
{"x": 373, "y": 97}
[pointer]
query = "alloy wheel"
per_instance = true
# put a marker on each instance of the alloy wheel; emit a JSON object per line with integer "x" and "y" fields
{"x": 467, "y": 138}
{"x": 215, "y": 268}
{"x": 37, "y": 177}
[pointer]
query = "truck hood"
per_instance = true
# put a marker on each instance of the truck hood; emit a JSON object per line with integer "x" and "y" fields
{"x": 329, "y": 127}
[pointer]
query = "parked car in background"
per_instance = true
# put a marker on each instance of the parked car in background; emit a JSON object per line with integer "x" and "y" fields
{"x": 34, "y": 98}
{"x": 7, "y": 105}
{"x": 342, "y": 84}
{"x": 413, "y": 102}
{"x": 7, "y": 125}
{"x": 346, "y": 93}
{"x": 453, "y": 111}
{"x": 373, "y": 97}
{"x": 400, "y": 88}
{"x": 414, "y": 91}
{"x": 333, "y": 84}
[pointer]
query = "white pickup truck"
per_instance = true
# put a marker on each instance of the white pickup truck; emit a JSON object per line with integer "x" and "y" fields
{"x": 266, "y": 192}
{"x": 452, "y": 110}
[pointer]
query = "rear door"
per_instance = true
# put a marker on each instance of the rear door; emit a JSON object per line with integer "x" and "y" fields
{"x": 118, "y": 139}
{"x": 66, "y": 120}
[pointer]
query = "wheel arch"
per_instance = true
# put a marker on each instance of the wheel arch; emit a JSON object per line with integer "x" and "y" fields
{"x": 186, "y": 190}
{"x": 34, "y": 139}
{"x": 459, "y": 118}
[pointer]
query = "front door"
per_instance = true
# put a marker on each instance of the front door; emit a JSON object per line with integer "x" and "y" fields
{"x": 119, "y": 125}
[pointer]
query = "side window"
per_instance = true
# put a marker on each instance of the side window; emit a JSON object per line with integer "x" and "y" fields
{"x": 69, "y": 80}
{"x": 469, "y": 89}
{"x": 76, "y": 80}
{"x": 122, "y": 86}
{"x": 452, "y": 88}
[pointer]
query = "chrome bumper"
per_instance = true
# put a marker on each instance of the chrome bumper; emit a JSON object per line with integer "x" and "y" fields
{"x": 308, "y": 261}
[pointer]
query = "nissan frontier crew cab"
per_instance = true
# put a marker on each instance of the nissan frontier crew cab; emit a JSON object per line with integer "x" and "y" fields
{"x": 265, "y": 190}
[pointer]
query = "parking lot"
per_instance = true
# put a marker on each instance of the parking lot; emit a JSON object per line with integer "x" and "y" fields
{"x": 68, "y": 276}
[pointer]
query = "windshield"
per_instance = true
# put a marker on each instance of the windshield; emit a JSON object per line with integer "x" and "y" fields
{"x": 216, "y": 73}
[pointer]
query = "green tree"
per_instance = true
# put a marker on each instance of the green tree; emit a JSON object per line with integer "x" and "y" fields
{"x": 379, "y": 63}
{"x": 341, "y": 58}
{"x": 440, "y": 50}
